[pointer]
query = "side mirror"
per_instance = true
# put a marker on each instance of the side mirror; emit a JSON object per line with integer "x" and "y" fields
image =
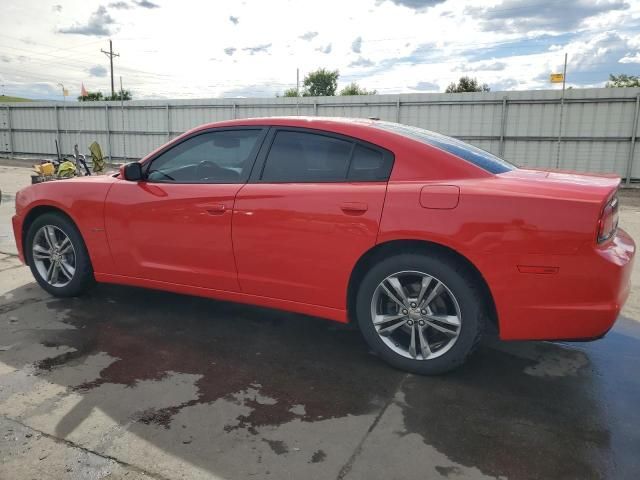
{"x": 131, "y": 171}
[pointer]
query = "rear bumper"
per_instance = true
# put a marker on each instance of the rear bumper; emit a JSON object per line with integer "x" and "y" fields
{"x": 582, "y": 300}
{"x": 17, "y": 233}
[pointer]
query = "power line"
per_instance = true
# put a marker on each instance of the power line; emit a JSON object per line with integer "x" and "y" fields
{"x": 78, "y": 64}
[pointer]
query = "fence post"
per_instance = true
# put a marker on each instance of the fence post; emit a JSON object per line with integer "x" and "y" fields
{"x": 398, "y": 110}
{"x": 10, "y": 131}
{"x": 124, "y": 135}
{"x": 560, "y": 127}
{"x": 106, "y": 113}
{"x": 58, "y": 135}
{"x": 632, "y": 147}
{"x": 235, "y": 115}
{"x": 315, "y": 109}
{"x": 168, "y": 122}
{"x": 503, "y": 127}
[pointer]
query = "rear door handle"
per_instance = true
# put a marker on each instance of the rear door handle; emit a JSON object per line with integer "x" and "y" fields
{"x": 354, "y": 207}
{"x": 214, "y": 208}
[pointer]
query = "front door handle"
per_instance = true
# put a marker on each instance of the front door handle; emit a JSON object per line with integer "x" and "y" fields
{"x": 354, "y": 207}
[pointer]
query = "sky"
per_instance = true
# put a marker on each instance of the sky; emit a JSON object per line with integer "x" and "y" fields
{"x": 252, "y": 48}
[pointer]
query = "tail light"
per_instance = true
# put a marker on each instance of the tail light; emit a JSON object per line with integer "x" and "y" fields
{"x": 608, "y": 223}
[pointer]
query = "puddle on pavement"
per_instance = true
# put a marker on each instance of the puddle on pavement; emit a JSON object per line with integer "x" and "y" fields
{"x": 520, "y": 410}
{"x": 299, "y": 367}
{"x": 493, "y": 416}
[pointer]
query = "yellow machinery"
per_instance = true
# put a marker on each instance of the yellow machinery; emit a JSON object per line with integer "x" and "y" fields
{"x": 69, "y": 167}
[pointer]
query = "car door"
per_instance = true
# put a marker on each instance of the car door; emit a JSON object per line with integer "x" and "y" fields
{"x": 175, "y": 225}
{"x": 309, "y": 212}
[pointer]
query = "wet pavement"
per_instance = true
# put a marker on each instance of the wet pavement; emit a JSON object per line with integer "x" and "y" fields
{"x": 188, "y": 387}
{"x": 133, "y": 383}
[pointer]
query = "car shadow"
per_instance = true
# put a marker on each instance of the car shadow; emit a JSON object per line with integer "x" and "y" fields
{"x": 151, "y": 361}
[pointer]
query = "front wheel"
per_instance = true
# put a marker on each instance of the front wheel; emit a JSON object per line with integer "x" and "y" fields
{"x": 57, "y": 255}
{"x": 420, "y": 313}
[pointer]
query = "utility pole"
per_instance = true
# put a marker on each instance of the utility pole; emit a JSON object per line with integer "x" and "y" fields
{"x": 110, "y": 54}
{"x": 124, "y": 135}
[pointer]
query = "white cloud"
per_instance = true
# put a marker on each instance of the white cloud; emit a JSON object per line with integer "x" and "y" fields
{"x": 99, "y": 24}
{"x": 631, "y": 58}
{"x": 98, "y": 71}
{"x": 356, "y": 45}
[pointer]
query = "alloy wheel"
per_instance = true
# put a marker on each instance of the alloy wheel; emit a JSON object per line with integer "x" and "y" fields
{"x": 416, "y": 315}
{"x": 54, "y": 256}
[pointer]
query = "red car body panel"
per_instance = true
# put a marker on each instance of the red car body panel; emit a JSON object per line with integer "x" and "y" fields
{"x": 82, "y": 199}
{"x": 530, "y": 234}
{"x": 177, "y": 233}
{"x": 311, "y": 234}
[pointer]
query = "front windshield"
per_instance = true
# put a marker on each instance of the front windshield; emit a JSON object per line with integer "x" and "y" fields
{"x": 475, "y": 155}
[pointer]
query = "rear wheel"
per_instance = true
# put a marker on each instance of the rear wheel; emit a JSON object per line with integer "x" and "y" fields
{"x": 57, "y": 255}
{"x": 420, "y": 313}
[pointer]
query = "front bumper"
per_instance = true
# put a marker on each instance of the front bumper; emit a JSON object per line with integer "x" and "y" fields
{"x": 17, "y": 233}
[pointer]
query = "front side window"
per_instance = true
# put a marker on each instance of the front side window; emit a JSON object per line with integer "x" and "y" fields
{"x": 212, "y": 157}
{"x": 309, "y": 157}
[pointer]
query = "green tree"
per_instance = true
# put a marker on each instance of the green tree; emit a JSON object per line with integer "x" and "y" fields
{"x": 467, "y": 84}
{"x": 290, "y": 92}
{"x": 121, "y": 95}
{"x": 321, "y": 83}
{"x": 623, "y": 80}
{"x": 92, "y": 97}
{"x": 98, "y": 97}
{"x": 354, "y": 89}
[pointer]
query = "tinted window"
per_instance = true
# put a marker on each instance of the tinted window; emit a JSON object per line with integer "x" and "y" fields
{"x": 213, "y": 157}
{"x": 475, "y": 155}
{"x": 307, "y": 157}
{"x": 368, "y": 164}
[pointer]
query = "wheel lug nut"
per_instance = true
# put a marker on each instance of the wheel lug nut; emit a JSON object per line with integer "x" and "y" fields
{"x": 405, "y": 311}
{"x": 421, "y": 322}
{"x": 423, "y": 312}
{"x": 413, "y": 305}
{"x": 410, "y": 322}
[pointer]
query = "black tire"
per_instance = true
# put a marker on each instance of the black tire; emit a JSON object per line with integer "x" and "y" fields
{"x": 82, "y": 277}
{"x": 459, "y": 281}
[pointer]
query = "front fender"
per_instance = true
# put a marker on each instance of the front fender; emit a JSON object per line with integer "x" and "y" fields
{"x": 80, "y": 199}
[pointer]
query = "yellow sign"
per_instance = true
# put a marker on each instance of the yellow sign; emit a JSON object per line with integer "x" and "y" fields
{"x": 556, "y": 78}
{"x": 65, "y": 92}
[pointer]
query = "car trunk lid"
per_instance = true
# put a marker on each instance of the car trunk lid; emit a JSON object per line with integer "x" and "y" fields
{"x": 589, "y": 185}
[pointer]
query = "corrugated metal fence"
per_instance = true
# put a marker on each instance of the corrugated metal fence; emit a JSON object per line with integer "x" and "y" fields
{"x": 598, "y": 134}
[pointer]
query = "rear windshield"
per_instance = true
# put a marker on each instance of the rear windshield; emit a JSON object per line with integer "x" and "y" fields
{"x": 475, "y": 155}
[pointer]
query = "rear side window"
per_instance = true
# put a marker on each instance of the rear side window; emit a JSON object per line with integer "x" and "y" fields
{"x": 470, "y": 153}
{"x": 368, "y": 164}
{"x": 309, "y": 157}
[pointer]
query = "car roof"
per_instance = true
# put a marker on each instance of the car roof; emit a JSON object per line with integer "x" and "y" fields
{"x": 293, "y": 121}
{"x": 360, "y": 128}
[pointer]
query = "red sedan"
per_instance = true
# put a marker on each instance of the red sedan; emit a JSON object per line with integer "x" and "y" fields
{"x": 422, "y": 240}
